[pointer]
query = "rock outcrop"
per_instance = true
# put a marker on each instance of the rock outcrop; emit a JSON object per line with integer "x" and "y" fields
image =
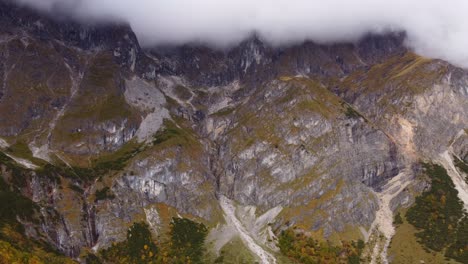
{"x": 122, "y": 134}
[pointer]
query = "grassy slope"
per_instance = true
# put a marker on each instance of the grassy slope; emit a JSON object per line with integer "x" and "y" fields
{"x": 405, "y": 249}
{"x": 19, "y": 249}
{"x": 433, "y": 226}
{"x": 15, "y": 247}
{"x": 235, "y": 252}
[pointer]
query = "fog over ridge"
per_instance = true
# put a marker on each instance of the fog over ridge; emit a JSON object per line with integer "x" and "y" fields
{"x": 434, "y": 28}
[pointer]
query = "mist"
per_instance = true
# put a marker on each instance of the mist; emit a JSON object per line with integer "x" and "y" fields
{"x": 434, "y": 28}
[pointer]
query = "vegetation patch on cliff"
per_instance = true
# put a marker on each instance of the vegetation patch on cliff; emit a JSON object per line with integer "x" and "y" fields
{"x": 15, "y": 247}
{"x": 13, "y": 204}
{"x": 184, "y": 243}
{"x": 405, "y": 248}
{"x": 11, "y": 253}
{"x": 139, "y": 247}
{"x": 235, "y": 252}
{"x": 304, "y": 249}
{"x": 350, "y": 112}
{"x": 99, "y": 167}
{"x": 439, "y": 217}
{"x": 103, "y": 194}
{"x": 21, "y": 150}
{"x": 177, "y": 133}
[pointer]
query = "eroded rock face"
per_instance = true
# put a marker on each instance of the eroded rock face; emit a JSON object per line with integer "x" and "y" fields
{"x": 292, "y": 152}
{"x": 313, "y": 130}
{"x": 420, "y": 106}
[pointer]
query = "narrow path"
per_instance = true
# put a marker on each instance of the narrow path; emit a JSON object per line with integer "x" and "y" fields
{"x": 43, "y": 151}
{"x": 231, "y": 219}
{"x": 383, "y": 223}
{"x": 76, "y": 82}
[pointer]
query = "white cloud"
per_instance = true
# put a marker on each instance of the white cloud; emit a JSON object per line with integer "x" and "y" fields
{"x": 435, "y": 28}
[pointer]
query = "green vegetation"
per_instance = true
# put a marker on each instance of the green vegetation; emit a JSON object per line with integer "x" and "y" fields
{"x": 407, "y": 71}
{"x": 18, "y": 173}
{"x": 113, "y": 106}
{"x": 138, "y": 248}
{"x": 440, "y": 222}
{"x": 117, "y": 160}
{"x": 224, "y": 112}
{"x": 14, "y": 205}
{"x": 139, "y": 241}
{"x": 20, "y": 149}
{"x": 92, "y": 259}
{"x": 187, "y": 241}
{"x": 76, "y": 188}
{"x": 99, "y": 100}
{"x": 398, "y": 219}
{"x": 104, "y": 108}
{"x": 185, "y": 244}
{"x": 15, "y": 247}
{"x": 169, "y": 132}
{"x": 350, "y": 112}
{"x": 235, "y": 252}
{"x": 100, "y": 79}
{"x": 405, "y": 248}
{"x": 102, "y": 69}
{"x": 174, "y": 135}
{"x": 315, "y": 106}
{"x": 183, "y": 92}
{"x": 99, "y": 167}
{"x": 458, "y": 250}
{"x": 30, "y": 254}
{"x": 304, "y": 249}
{"x": 436, "y": 213}
{"x": 103, "y": 194}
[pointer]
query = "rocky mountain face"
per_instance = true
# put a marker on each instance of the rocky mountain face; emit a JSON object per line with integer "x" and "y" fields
{"x": 100, "y": 133}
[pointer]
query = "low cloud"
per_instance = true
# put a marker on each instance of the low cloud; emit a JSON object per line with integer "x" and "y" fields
{"x": 435, "y": 28}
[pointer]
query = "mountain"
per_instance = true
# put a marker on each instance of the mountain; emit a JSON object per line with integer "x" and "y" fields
{"x": 325, "y": 141}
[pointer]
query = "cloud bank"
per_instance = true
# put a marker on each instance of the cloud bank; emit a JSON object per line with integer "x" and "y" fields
{"x": 435, "y": 28}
